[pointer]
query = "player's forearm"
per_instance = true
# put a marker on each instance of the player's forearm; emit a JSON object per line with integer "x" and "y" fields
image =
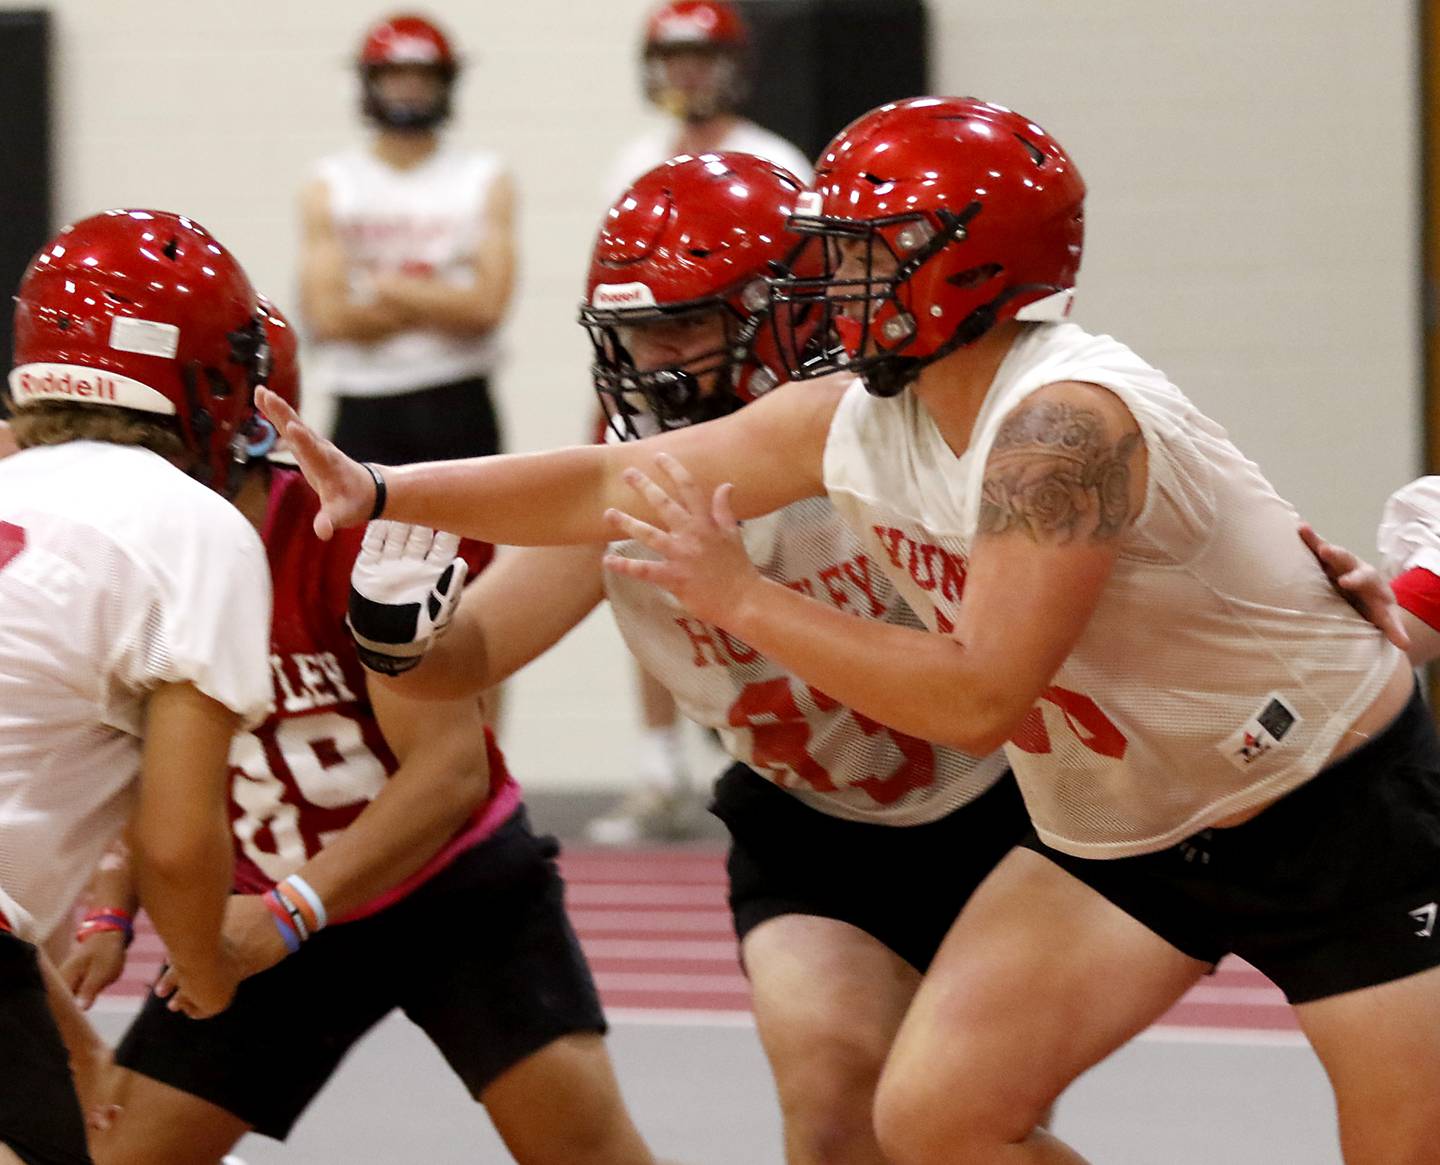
{"x": 447, "y": 307}
{"x": 918, "y": 682}
{"x": 184, "y": 873}
{"x": 428, "y": 800}
{"x": 334, "y": 316}
{"x": 82, "y": 1042}
{"x": 113, "y": 884}
{"x": 455, "y": 667}
{"x": 517, "y": 499}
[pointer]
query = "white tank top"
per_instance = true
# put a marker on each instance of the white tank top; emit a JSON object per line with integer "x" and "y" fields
{"x": 422, "y": 221}
{"x": 1219, "y": 669}
{"x": 826, "y": 755}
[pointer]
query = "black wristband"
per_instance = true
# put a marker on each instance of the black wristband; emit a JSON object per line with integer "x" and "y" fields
{"x": 379, "y": 507}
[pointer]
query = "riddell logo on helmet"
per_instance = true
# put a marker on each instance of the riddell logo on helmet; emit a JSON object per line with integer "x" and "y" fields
{"x": 97, "y": 386}
{"x": 74, "y": 382}
{"x": 616, "y": 295}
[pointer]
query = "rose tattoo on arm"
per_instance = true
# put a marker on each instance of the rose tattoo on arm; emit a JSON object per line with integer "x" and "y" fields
{"x": 1056, "y": 474}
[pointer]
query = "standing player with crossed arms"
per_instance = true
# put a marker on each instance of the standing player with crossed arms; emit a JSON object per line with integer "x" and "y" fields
{"x": 396, "y": 822}
{"x": 834, "y": 820}
{"x": 1169, "y": 669}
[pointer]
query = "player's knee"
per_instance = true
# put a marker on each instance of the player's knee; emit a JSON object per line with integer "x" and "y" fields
{"x": 933, "y": 1117}
{"x": 827, "y": 1104}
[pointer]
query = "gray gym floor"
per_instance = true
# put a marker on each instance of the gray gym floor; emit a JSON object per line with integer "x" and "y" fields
{"x": 702, "y": 1096}
{"x": 1219, "y": 1092}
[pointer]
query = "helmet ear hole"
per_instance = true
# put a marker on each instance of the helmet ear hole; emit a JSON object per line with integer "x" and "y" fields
{"x": 975, "y": 276}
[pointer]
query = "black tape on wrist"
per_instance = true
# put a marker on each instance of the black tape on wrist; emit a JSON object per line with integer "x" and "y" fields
{"x": 379, "y": 507}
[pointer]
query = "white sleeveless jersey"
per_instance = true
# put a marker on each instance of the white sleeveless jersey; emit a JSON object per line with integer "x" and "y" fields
{"x": 658, "y": 145}
{"x": 424, "y": 221}
{"x": 118, "y": 573}
{"x": 826, "y": 755}
{"x": 1219, "y": 669}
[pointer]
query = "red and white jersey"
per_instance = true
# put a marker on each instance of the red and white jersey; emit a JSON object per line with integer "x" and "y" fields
{"x": 1409, "y": 540}
{"x": 1219, "y": 669}
{"x": 828, "y": 756}
{"x": 118, "y": 573}
{"x": 428, "y": 221}
{"x": 312, "y": 767}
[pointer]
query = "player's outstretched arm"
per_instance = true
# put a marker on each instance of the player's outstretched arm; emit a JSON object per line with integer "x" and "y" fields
{"x": 520, "y": 607}
{"x": 180, "y": 840}
{"x": 771, "y": 451}
{"x": 1035, "y": 576}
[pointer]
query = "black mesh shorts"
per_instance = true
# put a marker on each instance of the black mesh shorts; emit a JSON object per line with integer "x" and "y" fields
{"x": 903, "y": 885}
{"x": 430, "y": 424}
{"x": 482, "y": 958}
{"x": 40, "y": 1120}
{"x": 1332, "y": 888}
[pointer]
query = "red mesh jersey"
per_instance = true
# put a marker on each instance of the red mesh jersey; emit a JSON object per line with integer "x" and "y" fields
{"x": 310, "y": 769}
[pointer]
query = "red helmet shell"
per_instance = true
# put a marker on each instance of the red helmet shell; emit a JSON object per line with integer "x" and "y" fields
{"x": 142, "y": 309}
{"x": 695, "y": 23}
{"x": 698, "y": 231}
{"x": 1017, "y": 193}
{"x": 407, "y": 40}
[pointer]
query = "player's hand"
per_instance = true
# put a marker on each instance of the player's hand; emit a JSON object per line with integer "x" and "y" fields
{"x": 93, "y": 965}
{"x": 201, "y": 993}
{"x": 8, "y": 444}
{"x": 702, "y": 562}
{"x": 404, "y": 588}
{"x": 346, "y": 488}
{"x": 1360, "y": 584}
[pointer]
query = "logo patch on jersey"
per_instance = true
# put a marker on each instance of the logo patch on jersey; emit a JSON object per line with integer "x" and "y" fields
{"x": 1260, "y": 734}
{"x": 1425, "y": 916}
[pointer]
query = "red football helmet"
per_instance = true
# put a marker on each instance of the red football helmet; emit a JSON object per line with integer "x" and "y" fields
{"x": 694, "y": 235}
{"x": 144, "y": 310}
{"x": 399, "y": 42}
{"x": 976, "y": 215}
{"x": 282, "y": 375}
{"x": 693, "y": 58}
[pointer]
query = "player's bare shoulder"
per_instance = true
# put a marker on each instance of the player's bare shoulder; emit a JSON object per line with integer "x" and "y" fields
{"x": 1067, "y": 464}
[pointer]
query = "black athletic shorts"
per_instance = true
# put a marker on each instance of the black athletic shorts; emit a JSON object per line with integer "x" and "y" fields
{"x": 903, "y": 885}
{"x": 482, "y": 958}
{"x": 1332, "y": 888}
{"x": 40, "y": 1119}
{"x": 429, "y": 424}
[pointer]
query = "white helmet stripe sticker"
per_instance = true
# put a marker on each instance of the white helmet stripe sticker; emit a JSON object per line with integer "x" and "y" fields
{"x": 75, "y": 382}
{"x": 144, "y": 337}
